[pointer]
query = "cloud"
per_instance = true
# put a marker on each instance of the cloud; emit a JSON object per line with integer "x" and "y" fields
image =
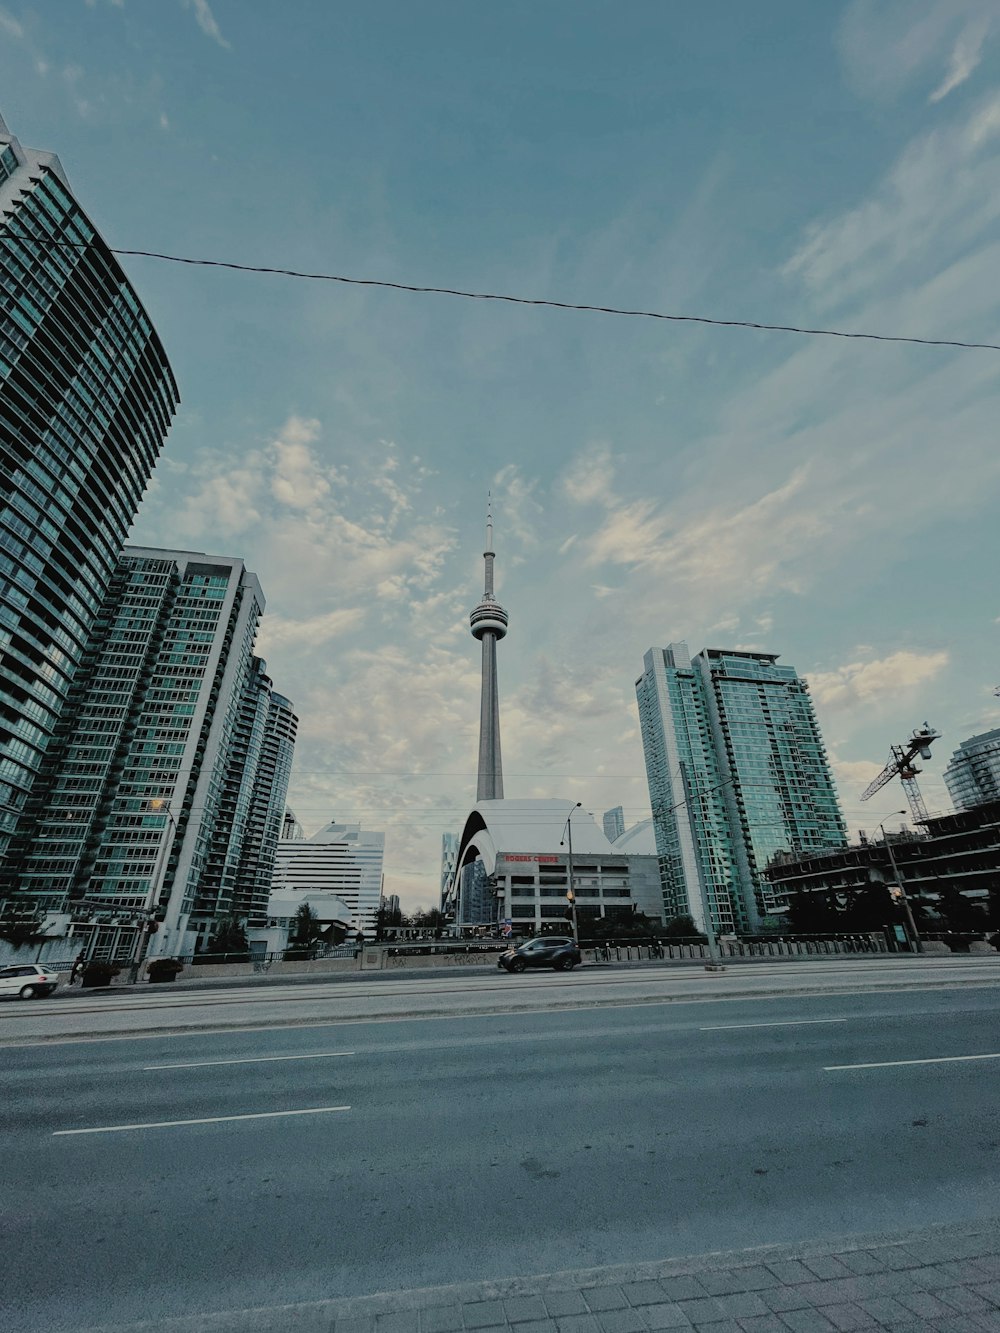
{"x": 10, "y": 25}
{"x": 280, "y": 632}
{"x": 517, "y": 511}
{"x": 897, "y": 232}
{"x": 887, "y": 45}
{"x": 966, "y": 55}
{"x": 876, "y": 681}
{"x": 206, "y": 20}
{"x": 296, "y": 480}
{"x": 589, "y": 478}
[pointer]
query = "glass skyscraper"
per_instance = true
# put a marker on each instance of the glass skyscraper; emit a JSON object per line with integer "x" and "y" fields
{"x": 973, "y": 773}
{"x": 736, "y": 771}
{"x": 170, "y": 770}
{"x": 86, "y": 399}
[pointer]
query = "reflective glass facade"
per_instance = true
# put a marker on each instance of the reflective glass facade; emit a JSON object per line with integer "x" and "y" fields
{"x": 973, "y": 773}
{"x": 279, "y": 726}
{"x": 164, "y": 759}
{"x": 86, "y": 399}
{"x": 737, "y": 771}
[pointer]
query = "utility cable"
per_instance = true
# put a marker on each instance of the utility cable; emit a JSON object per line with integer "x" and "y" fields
{"x": 518, "y": 300}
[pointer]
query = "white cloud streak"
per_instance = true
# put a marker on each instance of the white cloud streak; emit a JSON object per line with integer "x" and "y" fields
{"x": 966, "y": 55}
{"x": 206, "y": 20}
{"x": 10, "y": 25}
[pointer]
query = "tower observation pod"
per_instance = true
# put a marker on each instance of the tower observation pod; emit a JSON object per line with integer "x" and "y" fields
{"x": 488, "y": 623}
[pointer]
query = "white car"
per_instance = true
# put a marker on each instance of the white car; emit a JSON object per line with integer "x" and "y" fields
{"x": 27, "y": 981}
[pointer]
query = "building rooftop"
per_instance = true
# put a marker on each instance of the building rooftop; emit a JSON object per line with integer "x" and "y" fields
{"x": 639, "y": 840}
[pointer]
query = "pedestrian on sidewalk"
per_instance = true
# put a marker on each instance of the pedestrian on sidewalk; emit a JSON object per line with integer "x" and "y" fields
{"x": 78, "y": 967}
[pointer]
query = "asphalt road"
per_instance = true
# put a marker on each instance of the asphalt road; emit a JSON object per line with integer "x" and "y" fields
{"x": 481, "y": 1146}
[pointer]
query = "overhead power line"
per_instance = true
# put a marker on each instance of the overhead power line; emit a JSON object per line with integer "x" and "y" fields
{"x": 522, "y": 300}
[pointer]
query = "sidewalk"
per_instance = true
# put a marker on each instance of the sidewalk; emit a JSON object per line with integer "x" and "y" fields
{"x": 945, "y": 1280}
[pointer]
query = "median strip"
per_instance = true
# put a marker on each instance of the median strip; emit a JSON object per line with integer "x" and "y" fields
{"x": 250, "y": 1060}
{"x": 204, "y": 1120}
{"x": 937, "y": 1060}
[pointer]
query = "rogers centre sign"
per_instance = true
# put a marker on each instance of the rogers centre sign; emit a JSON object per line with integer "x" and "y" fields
{"x": 542, "y": 860}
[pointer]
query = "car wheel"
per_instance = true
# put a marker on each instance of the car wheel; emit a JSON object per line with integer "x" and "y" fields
{"x": 517, "y": 965}
{"x": 27, "y": 992}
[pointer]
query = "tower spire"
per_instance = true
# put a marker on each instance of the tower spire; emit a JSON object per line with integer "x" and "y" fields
{"x": 488, "y": 623}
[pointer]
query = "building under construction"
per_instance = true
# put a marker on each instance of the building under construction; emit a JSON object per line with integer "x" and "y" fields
{"x": 950, "y": 870}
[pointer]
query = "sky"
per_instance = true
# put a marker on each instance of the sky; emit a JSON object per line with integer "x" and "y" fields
{"x": 831, "y": 501}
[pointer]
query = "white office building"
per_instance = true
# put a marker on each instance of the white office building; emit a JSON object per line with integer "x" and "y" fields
{"x": 340, "y": 860}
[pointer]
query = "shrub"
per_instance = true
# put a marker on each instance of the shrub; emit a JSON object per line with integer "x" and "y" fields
{"x": 164, "y": 969}
{"x": 99, "y": 974}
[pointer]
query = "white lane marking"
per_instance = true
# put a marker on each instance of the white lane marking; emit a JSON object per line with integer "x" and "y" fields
{"x": 251, "y": 1060}
{"x": 785, "y": 1023}
{"x": 205, "y": 1120}
{"x": 937, "y": 1060}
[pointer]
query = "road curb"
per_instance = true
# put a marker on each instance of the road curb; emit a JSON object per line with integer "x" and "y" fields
{"x": 319, "y": 1316}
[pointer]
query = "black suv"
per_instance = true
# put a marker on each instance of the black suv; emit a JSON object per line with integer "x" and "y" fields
{"x": 557, "y": 951}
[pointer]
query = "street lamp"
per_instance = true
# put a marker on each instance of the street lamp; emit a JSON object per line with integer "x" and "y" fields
{"x": 567, "y": 838}
{"x": 158, "y": 806}
{"x": 914, "y": 935}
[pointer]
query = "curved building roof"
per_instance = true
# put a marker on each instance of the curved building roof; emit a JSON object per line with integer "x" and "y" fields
{"x": 494, "y": 828}
{"x": 639, "y": 840}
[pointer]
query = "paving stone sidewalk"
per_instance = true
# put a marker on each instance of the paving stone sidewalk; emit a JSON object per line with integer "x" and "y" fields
{"x": 945, "y": 1280}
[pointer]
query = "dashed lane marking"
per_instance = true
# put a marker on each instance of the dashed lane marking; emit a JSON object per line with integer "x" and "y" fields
{"x": 203, "y": 1120}
{"x": 251, "y": 1060}
{"x": 936, "y": 1060}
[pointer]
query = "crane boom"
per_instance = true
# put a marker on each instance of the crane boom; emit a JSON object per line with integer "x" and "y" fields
{"x": 901, "y": 764}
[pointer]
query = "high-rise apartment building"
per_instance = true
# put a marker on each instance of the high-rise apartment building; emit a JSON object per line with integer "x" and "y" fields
{"x": 973, "y": 773}
{"x": 169, "y": 770}
{"x": 267, "y": 808}
{"x": 614, "y": 823}
{"x": 86, "y": 398}
{"x": 449, "y": 853}
{"x": 736, "y": 771}
{"x": 341, "y": 859}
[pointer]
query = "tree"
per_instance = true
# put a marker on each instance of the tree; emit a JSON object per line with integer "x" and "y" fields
{"x": 812, "y": 913}
{"x": 680, "y": 927}
{"x": 628, "y": 926}
{"x": 960, "y": 913}
{"x": 306, "y": 927}
{"x": 228, "y": 936}
{"x": 21, "y": 923}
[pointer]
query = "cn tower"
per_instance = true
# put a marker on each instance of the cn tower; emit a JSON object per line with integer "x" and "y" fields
{"x": 488, "y": 623}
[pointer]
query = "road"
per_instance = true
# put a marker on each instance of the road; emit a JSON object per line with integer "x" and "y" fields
{"x": 447, "y": 1148}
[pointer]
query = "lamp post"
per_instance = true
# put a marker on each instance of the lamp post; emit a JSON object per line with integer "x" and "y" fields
{"x": 911, "y": 924}
{"x": 567, "y": 839}
{"x": 158, "y": 806}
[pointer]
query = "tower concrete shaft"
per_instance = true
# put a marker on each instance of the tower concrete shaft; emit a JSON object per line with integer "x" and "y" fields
{"x": 488, "y": 623}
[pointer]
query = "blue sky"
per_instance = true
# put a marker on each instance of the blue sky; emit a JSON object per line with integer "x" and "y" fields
{"x": 834, "y": 502}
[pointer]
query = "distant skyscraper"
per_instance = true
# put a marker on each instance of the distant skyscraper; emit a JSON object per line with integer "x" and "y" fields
{"x": 973, "y": 773}
{"x": 449, "y": 853}
{"x": 340, "y": 859}
{"x": 737, "y": 771}
{"x": 171, "y": 768}
{"x": 614, "y": 823}
{"x": 488, "y": 623}
{"x": 86, "y": 398}
{"x": 265, "y": 818}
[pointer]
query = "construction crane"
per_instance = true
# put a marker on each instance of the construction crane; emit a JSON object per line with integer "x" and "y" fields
{"x": 901, "y": 764}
